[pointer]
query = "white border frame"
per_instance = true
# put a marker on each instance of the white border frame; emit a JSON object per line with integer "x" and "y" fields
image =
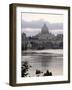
{"x": 64, "y": 77}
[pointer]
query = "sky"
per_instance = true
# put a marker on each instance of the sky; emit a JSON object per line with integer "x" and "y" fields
{"x": 33, "y": 22}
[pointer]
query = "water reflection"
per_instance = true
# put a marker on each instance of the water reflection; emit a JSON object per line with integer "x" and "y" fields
{"x": 44, "y": 62}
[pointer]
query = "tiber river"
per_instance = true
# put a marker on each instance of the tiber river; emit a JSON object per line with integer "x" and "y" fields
{"x": 43, "y": 60}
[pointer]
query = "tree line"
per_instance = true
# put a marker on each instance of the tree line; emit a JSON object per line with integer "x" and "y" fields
{"x": 39, "y": 44}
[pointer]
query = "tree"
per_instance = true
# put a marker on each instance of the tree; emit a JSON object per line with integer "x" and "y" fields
{"x": 24, "y": 68}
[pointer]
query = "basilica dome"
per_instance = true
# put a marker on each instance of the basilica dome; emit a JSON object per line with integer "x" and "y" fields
{"x": 44, "y": 29}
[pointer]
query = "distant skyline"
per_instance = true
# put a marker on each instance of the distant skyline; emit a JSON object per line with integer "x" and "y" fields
{"x": 32, "y": 23}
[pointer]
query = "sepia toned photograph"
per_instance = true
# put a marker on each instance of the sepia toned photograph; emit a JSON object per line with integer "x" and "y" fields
{"x": 41, "y": 44}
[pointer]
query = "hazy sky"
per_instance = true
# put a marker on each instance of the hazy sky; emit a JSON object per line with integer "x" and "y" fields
{"x": 32, "y": 23}
{"x": 52, "y": 18}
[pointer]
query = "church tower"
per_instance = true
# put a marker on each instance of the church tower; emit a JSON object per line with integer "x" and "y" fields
{"x": 44, "y": 29}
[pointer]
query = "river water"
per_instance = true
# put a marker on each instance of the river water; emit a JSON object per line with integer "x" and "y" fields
{"x": 44, "y": 61}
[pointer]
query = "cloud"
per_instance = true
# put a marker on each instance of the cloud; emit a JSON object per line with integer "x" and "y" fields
{"x": 31, "y": 32}
{"x": 39, "y": 23}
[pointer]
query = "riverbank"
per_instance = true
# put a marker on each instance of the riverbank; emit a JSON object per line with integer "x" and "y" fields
{"x": 54, "y": 51}
{"x": 48, "y": 52}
